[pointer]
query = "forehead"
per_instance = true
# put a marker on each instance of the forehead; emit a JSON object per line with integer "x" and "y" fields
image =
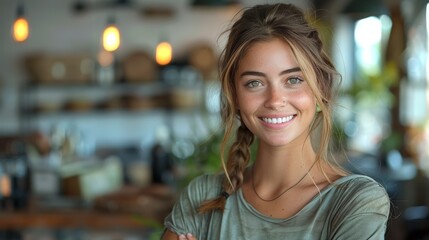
{"x": 273, "y": 53}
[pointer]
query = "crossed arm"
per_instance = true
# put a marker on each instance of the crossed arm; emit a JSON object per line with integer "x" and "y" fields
{"x": 169, "y": 235}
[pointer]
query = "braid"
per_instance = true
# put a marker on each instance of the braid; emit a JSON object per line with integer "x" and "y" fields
{"x": 238, "y": 158}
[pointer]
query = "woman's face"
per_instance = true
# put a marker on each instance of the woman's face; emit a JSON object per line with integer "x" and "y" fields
{"x": 274, "y": 100}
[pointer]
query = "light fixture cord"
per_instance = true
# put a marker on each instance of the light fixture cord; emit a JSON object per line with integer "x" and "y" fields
{"x": 20, "y": 10}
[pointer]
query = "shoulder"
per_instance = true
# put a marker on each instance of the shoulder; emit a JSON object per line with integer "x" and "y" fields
{"x": 206, "y": 180}
{"x": 361, "y": 194}
{"x": 205, "y": 186}
{"x": 359, "y": 208}
{"x": 184, "y": 217}
{"x": 359, "y": 184}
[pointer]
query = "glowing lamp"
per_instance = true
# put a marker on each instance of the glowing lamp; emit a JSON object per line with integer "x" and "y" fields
{"x": 111, "y": 38}
{"x": 163, "y": 53}
{"x": 21, "y": 28}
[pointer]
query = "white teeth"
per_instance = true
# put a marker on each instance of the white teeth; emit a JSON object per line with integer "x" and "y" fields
{"x": 277, "y": 120}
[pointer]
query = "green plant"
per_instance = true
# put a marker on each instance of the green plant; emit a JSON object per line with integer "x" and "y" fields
{"x": 207, "y": 158}
{"x": 156, "y": 228}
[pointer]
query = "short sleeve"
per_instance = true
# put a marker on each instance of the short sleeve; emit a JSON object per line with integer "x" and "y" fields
{"x": 362, "y": 213}
{"x": 184, "y": 218}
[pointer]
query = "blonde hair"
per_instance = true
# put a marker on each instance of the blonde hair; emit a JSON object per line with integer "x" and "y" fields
{"x": 262, "y": 23}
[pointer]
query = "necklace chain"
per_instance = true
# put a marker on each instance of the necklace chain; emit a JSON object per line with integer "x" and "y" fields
{"x": 281, "y": 194}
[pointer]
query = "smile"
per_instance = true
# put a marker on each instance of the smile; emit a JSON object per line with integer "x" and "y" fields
{"x": 277, "y": 120}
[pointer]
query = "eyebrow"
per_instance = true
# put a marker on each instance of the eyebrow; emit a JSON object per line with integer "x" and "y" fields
{"x": 255, "y": 73}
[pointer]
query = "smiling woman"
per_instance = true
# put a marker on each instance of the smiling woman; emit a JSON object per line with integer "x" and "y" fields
{"x": 278, "y": 86}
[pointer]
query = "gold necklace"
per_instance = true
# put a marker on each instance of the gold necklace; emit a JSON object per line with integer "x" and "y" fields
{"x": 285, "y": 191}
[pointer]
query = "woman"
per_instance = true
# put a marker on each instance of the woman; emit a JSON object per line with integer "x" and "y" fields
{"x": 277, "y": 86}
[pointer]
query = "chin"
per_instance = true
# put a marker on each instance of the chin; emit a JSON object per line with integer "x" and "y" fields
{"x": 276, "y": 143}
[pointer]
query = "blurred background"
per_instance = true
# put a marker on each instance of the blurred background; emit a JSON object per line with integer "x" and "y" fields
{"x": 109, "y": 107}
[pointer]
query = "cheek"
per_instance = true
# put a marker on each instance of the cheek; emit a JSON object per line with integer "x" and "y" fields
{"x": 247, "y": 102}
{"x": 304, "y": 100}
{"x": 247, "y": 106}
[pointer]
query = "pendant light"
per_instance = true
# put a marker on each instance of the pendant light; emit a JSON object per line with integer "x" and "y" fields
{"x": 164, "y": 53}
{"x": 20, "y": 31}
{"x": 111, "y": 36}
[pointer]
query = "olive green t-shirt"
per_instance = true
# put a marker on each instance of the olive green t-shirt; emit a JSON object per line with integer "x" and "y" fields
{"x": 353, "y": 207}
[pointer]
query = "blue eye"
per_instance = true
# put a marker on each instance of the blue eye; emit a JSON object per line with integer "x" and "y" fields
{"x": 294, "y": 80}
{"x": 253, "y": 84}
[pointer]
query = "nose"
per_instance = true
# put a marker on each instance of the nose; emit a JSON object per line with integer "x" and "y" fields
{"x": 275, "y": 99}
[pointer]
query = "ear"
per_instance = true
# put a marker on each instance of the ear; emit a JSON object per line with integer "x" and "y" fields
{"x": 318, "y": 109}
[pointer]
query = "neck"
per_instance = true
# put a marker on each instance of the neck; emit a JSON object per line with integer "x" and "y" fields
{"x": 283, "y": 164}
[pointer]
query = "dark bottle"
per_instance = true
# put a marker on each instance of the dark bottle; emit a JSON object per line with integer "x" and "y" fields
{"x": 20, "y": 182}
{"x": 15, "y": 177}
{"x": 162, "y": 162}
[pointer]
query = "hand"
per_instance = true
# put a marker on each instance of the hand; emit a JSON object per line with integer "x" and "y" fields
{"x": 188, "y": 236}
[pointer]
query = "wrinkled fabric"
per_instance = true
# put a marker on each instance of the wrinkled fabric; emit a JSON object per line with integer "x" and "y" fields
{"x": 353, "y": 207}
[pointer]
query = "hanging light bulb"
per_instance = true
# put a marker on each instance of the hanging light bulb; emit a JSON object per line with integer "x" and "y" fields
{"x": 20, "y": 30}
{"x": 163, "y": 53}
{"x": 111, "y": 36}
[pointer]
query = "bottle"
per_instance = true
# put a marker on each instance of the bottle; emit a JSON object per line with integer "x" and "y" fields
{"x": 162, "y": 164}
{"x": 19, "y": 182}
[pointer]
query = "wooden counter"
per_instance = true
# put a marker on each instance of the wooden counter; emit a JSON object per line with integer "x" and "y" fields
{"x": 128, "y": 208}
{"x": 75, "y": 219}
